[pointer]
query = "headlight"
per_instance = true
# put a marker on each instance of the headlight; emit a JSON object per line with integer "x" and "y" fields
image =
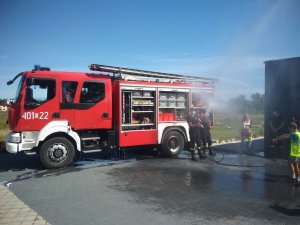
{"x": 14, "y": 138}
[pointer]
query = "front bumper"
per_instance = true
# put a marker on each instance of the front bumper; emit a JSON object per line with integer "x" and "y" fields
{"x": 11, "y": 147}
{"x": 17, "y": 142}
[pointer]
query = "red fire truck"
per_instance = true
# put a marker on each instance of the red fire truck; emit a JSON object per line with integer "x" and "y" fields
{"x": 58, "y": 114}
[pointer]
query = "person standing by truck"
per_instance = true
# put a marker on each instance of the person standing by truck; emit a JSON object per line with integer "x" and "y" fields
{"x": 205, "y": 134}
{"x": 276, "y": 125}
{"x": 193, "y": 122}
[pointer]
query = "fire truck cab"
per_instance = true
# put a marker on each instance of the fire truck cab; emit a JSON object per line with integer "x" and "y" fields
{"x": 58, "y": 114}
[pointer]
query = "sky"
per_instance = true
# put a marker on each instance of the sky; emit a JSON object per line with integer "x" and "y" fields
{"x": 228, "y": 40}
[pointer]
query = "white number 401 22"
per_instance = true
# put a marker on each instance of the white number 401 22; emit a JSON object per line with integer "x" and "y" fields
{"x": 35, "y": 115}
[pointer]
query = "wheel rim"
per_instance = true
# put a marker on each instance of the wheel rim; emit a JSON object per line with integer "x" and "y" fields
{"x": 173, "y": 144}
{"x": 57, "y": 152}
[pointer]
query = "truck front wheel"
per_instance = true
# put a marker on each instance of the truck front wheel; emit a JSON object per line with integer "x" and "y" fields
{"x": 172, "y": 144}
{"x": 57, "y": 152}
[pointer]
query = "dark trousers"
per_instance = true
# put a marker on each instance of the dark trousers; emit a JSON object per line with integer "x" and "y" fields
{"x": 206, "y": 137}
{"x": 195, "y": 138}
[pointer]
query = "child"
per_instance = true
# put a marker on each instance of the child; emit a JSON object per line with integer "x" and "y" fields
{"x": 248, "y": 138}
{"x": 294, "y": 157}
{"x": 246, "y": 134}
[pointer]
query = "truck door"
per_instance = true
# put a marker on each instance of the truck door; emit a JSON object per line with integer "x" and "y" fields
{"x": 67, "y": 101}
{"x": 40, "y": 104}
{"x": 93, "y": 110}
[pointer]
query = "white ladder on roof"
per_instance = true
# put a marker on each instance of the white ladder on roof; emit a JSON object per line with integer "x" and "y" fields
{"x": 151, "y": 74}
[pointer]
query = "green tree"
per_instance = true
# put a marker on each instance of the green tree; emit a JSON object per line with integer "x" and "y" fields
{"x": 258, "y": 102}
{"x": 242, "y": 105}
{"x": 3, "y": 101}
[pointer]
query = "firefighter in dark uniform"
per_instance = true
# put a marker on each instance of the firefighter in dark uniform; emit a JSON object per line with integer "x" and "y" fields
{"x": 205, "y": 126}
{"x": 193, "y": 122}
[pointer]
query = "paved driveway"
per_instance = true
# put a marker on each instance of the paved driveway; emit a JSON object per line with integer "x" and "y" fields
{"x": 242, "y": 189}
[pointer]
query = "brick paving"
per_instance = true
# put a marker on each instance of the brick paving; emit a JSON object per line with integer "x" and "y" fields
{"x": 14, "y": 212}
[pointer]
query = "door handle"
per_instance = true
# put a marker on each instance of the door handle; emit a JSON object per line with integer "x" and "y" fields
{"x": 105, "y": 115}
{"x": 56, "y": 115}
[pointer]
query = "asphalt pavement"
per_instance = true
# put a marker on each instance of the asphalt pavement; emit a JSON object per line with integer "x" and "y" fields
{"x": 226, "y": 189}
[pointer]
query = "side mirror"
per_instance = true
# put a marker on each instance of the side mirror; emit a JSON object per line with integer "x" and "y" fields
{"x": 9, "y": 82}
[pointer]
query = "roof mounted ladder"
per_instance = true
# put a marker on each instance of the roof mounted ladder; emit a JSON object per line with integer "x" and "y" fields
{"x": 150, "y": 74}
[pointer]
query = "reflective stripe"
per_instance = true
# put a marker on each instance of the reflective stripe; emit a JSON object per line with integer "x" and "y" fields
{"x": 295, "y": 145}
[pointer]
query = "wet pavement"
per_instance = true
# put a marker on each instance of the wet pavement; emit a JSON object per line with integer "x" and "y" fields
{"x": 226, "y": 189}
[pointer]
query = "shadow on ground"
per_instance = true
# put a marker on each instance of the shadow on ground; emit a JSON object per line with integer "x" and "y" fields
{"x": 286, "y": 211}
{"x": 19, "y": 162}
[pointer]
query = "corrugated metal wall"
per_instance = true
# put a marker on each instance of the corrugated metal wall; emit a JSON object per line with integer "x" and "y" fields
{"x": 282, "y": 92}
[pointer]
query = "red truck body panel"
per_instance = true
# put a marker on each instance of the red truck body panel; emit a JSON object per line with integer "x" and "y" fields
{"x": 80, "y": 116}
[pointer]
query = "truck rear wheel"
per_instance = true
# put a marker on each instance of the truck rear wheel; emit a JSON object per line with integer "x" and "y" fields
{"x": 172, "y": 144}
{"x": 57, "y": 152}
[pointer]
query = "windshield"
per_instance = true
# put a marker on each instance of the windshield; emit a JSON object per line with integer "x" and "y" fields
{"x": 19, "y": 88}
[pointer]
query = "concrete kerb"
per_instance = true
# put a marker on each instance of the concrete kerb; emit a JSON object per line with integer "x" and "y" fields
{"x": 14, "y": 211}
{"x": 234, "y": 146}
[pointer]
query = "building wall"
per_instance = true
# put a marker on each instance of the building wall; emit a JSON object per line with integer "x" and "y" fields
{"x": 282, "y": 92}
{"x": 3, "y": 108}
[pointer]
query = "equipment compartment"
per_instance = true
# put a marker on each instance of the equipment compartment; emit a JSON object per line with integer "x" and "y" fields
{"x": 138, "y": 110}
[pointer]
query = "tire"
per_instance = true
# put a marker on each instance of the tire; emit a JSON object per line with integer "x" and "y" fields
{"x": 172, "y": 144}
{"x": 57, "y": 152}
